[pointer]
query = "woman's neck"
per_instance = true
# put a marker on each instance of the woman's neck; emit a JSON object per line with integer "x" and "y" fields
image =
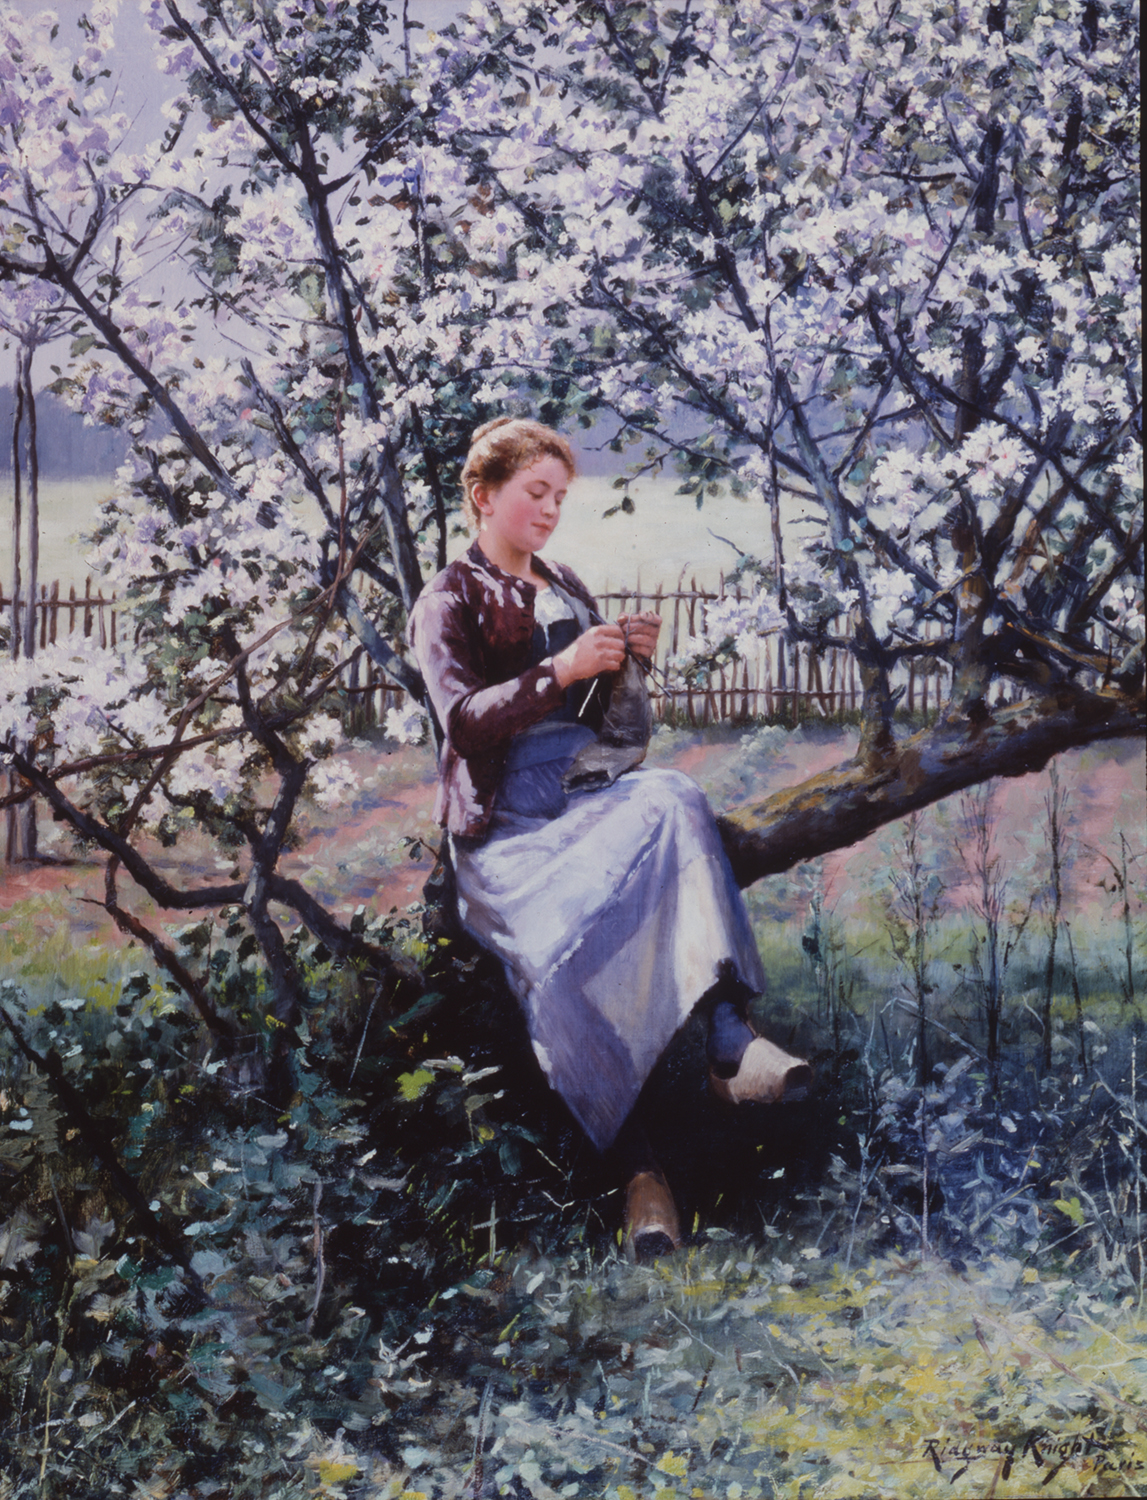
{"x": 510, "y": 560}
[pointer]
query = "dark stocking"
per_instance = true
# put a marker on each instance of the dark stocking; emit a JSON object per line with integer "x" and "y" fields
{"x": 729, "y": 1031}
{"x": 631, "y": 1152}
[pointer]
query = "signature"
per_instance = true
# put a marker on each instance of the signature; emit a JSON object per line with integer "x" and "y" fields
{"x": 1041, "y": 1448}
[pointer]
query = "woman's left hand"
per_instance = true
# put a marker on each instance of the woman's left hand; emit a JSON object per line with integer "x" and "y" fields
{"x": 641, "y": 633}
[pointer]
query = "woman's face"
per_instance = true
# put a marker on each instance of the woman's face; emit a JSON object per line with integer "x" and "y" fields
{"x": 521, "y": 514}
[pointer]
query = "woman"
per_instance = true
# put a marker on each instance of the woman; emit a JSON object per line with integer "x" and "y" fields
{"x": 613, "y": 910}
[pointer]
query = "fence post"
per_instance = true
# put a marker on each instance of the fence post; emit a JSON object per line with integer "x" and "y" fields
{"x": 676, "y": 637}
{"x": 350, "y": 682}
{"x": 814, "y": 672}
{"x": 832, "y": 664}
{"x": 796, "y": 683}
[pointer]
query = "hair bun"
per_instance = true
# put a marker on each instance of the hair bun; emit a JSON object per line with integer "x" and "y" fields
{"x": 480, "y": 432}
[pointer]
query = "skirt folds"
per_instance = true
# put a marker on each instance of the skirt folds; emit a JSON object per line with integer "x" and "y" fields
{"x": 612, "y": 920}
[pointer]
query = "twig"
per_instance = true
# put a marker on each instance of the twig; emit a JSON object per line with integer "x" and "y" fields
{"x": 477, "y": 1468}
{"x": 365, "y": 1029}
{"x": 69, "y": 1243}
{"x": 320, "y": 1263}
{"x": 952, "y": 1036}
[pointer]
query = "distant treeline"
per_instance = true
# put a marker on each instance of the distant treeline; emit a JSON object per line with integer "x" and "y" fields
{"x": 68, "y": 448}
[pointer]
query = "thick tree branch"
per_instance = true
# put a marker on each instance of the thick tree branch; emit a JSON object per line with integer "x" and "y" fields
{"x": 274, "y": 411}
{"x": 403, "y": 553}
{"x": 65, "y": 277}
{"x": 378, "y": 648}
{"x": 842, "y": 806}
{"x": 164, "y": 955}
{"x": 235, "y": 94}
{"x": 879, "y": 702}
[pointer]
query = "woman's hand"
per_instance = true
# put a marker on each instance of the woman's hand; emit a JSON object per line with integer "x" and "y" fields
{"x": 600, "y": 649}
{"x": 641, "y": 633}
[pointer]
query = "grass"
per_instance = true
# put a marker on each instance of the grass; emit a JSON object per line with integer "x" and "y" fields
{"x": 67, "y": 509}
{"x": 734, "y": 1372}
{"x": 51, "y": 959}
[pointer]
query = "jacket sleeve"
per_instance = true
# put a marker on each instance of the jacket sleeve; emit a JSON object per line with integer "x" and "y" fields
{"x": 476, "y": 714}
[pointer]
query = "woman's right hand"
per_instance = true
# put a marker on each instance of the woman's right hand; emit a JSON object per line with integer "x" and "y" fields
{"x": 599, "y": 649}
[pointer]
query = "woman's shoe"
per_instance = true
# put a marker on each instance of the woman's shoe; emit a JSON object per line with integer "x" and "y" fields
{"x": 766, "y": 1076}
{"x": 651, "y": 1226}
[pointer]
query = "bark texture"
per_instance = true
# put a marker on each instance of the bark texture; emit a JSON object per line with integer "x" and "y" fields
{"x": 841, "y": 806}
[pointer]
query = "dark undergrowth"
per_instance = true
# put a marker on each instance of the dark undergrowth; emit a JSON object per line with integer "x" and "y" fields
{"x": 409, "y": 1282}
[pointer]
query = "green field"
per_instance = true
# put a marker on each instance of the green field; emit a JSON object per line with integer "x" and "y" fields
{"x": 665, "y": 538}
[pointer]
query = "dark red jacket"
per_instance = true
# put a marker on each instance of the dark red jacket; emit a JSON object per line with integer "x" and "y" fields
{"x": 471, "y": 630}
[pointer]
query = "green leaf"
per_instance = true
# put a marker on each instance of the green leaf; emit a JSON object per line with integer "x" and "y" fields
{"x": 413, "y": 1085}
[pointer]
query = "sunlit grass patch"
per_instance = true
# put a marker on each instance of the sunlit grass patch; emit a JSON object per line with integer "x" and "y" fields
{"x": 755, "y": 1377}
{"x": 42, "y": 948}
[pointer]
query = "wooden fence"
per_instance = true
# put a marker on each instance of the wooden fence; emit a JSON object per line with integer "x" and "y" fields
{"x": 91, "y": 615}
{"x": 778, "y": 680}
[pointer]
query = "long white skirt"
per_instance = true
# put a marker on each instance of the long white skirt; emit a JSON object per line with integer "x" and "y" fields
{"x": 612, "y": 920}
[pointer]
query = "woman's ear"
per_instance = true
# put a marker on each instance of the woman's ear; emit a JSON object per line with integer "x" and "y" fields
{"x": 480, "y": 495}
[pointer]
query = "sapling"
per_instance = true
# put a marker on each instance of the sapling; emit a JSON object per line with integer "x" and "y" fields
{"x": 1078, "y": 997}
{"x": 824, "y": 945}
{"x": 1057, "y": 822}
{"x": 29, "y": 315}
{"x": 993, "y": 945}
{"x": 912, "y": 905}
{"x": 1119, "y": 883}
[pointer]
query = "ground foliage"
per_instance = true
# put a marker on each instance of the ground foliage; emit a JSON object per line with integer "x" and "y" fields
{"x": 408, "y": 1280}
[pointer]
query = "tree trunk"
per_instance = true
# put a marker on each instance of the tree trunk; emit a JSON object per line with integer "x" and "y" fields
{"x": 27, "y": 842}
{"x": 11, "y": 814}
{"x": 20, "y": 831}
